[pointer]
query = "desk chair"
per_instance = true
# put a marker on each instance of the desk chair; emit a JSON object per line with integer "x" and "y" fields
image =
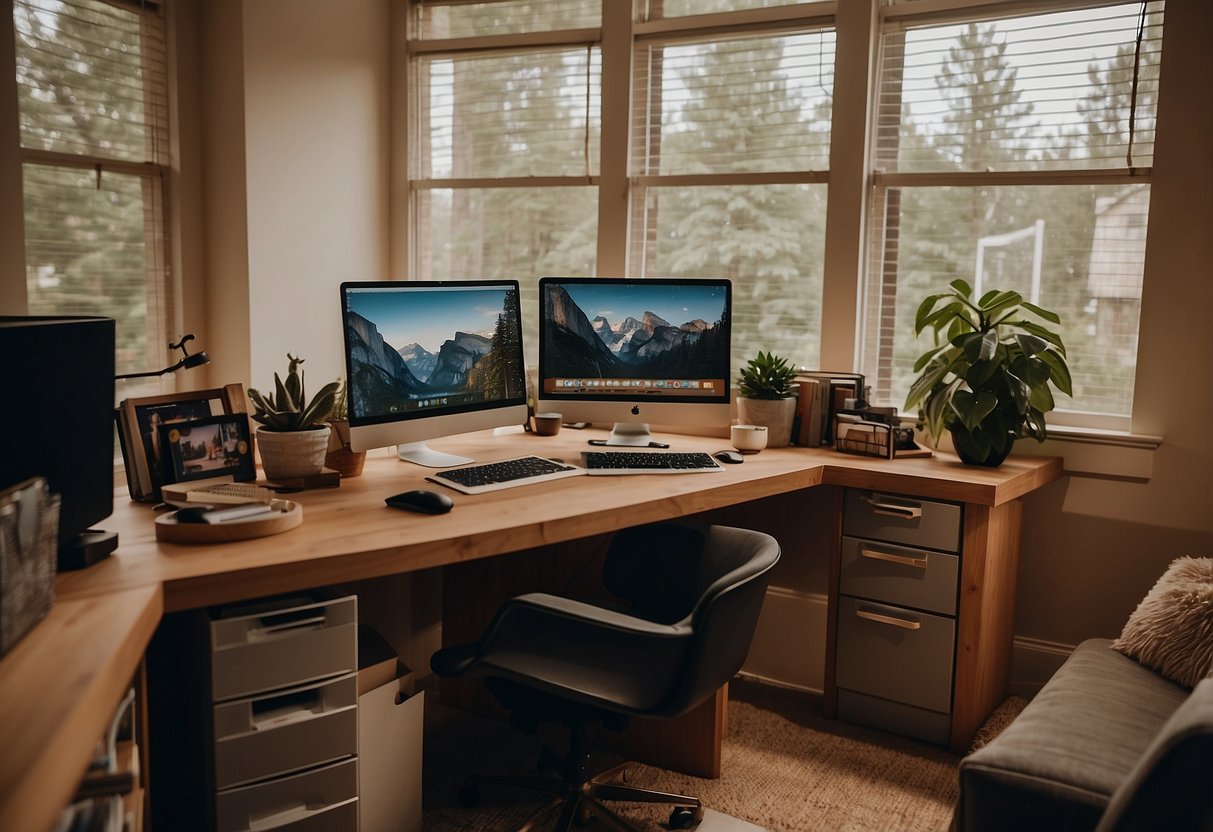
{"x": 690, "y": 598}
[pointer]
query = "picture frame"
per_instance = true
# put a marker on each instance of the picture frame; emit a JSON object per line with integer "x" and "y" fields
{"x": 139, "y": 425}
{"x": 200, "y": 449}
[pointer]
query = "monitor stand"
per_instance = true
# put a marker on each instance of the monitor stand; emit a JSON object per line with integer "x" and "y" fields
{"x": 629, "y": 434}
{"x": 422, "y": 454}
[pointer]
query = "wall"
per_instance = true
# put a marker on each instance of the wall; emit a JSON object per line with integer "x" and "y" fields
{"x": 295, "y": 117}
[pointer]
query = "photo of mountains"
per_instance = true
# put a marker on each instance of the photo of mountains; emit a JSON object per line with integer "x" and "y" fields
{"x": 432, "y": 348}
{"x": 628, "y": 331}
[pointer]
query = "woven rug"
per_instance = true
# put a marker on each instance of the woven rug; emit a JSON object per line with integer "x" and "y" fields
{"x": 785, "y": 767}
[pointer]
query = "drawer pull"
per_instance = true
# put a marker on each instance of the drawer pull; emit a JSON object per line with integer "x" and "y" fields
{"x": 881, "y": 618}
{"x": 904, "y": 560}
{"x": 903, "y": 512}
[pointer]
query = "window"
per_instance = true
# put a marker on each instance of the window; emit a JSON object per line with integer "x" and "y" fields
{"x": 729, "y": 138}
{"x": 93, "y": 121}
{"x": 1015, "y": 152}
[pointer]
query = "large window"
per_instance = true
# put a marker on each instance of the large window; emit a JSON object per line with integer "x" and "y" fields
{"x": 1009, "y": 144}
{"x": 729, "y": 150}
{"x": 93, "y": 118}
{"x": 1015, "y": 152}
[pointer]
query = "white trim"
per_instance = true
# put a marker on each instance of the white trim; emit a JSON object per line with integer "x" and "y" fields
{"x": 1092, "y": 176}
{"x": 512, "y": 42}
{"x": 1033, "y": 662}
{"x": 814, "y": 14}
{"x": 503, "y": 182}
{"x": 806, "y": 177}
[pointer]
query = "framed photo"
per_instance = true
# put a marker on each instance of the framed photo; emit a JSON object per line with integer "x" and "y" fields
{"x": 142, "y": 419}
{"x": 204, "y": 448}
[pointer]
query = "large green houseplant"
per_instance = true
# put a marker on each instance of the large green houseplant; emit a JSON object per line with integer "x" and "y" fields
{"x": 293, "y": 435}
{"x": 987, "y": 379}
{"x": 766, "y": 397}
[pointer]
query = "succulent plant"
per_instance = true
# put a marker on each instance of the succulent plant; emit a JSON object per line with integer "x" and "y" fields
{"x": 766, "y": 376}
{"x": 285, "y": 409}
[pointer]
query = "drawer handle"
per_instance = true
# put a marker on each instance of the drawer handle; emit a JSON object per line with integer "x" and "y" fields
{"x": 893, "y": 509}
{"x": 273, "y": 624}
{"x": 880, "y": 618}
{"x": 904, "y": 560}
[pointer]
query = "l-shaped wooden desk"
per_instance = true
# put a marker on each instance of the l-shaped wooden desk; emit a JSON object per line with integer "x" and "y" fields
{"x": 60, "y": 684}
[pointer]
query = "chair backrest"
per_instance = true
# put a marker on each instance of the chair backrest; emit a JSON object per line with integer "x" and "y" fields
{"x": 710, "y": 578}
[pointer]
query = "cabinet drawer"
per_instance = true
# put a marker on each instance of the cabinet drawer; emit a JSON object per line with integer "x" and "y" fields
{"x": 285, "y": 731}
{"x": 915, "y": 578}
{"x": 262, "y": 646}
{"x": 907, "y": 520}
{"x": 907, "y": 720}
{"x": 321, "y": 800}
{"x": 895, "y": 653}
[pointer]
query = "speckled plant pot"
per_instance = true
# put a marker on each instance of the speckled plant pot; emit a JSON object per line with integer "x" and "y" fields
{"x": 287, "y": 454}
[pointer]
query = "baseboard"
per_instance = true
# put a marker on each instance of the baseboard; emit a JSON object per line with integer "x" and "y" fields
{"x": 789, "y": 643}
{"x": 1033, "y": 662}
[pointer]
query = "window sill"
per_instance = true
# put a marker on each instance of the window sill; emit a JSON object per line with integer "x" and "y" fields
{"x": 1091, "y": 452}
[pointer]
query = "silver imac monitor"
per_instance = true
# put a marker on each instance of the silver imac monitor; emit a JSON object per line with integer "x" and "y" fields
{"x": 635, "y": 352}
{"x": 426, "y": 359}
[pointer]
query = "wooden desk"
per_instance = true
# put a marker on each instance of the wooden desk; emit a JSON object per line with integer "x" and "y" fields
{"x": 348, "y": 534}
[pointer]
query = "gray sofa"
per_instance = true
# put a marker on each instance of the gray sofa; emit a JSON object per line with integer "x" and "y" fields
{"x": 1106, "y": 745}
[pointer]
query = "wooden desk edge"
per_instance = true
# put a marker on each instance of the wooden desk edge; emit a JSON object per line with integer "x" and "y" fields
{"x": 53, "y": 724}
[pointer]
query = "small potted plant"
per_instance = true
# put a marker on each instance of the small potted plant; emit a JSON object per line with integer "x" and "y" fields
{"x": 293, "y": 435}
{"x": 767, "y": 397}
{"x": 340, "y": 456}
{"x": 988, "y": 380}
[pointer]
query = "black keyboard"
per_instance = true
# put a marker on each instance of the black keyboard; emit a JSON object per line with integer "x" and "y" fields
{"x": 509, "y": 473}
{"x": 647, "y": 462}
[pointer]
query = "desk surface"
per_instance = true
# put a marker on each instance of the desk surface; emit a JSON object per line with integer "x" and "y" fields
{"x": 349, "y": 534}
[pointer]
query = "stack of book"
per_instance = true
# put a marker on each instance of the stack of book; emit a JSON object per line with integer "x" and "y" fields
{"x": 822, "y": 396}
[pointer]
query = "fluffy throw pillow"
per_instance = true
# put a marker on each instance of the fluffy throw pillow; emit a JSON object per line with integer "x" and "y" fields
{"x": 1171, "y": 630}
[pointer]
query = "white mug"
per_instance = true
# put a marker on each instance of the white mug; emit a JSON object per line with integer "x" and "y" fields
{"x": 749, "y": 439}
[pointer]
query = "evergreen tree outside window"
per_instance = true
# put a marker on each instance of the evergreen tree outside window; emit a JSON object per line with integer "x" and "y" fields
{"x": 93, "y": 118}
{"x": 1015, "y": 152}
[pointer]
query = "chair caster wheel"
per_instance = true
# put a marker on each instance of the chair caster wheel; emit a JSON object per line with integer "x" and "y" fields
{"x": 684, "y": 817}
{"x": 468, "y": 795}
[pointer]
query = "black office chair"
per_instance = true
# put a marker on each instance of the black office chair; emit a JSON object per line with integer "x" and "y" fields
{"x": 690, "y": 602}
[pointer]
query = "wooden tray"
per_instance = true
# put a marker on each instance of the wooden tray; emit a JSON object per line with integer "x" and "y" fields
{"x": 262, "y": 525}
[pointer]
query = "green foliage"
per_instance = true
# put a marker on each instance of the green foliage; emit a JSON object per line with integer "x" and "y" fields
{"x": 989, "y": 380}
{"x": 285, "y": 410}
{"x": 766, "y": 376}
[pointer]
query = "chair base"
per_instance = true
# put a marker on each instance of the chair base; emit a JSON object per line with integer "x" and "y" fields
{"x": 580, "y": 802}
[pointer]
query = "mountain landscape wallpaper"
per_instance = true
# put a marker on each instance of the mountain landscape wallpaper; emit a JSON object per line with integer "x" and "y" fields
{"x": 432, "y": 348}
{"x": 634, "y": 330}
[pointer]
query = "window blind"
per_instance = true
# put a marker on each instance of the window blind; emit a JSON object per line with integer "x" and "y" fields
{"x": 1052, "y": 91}
{"x": 436, "y": 19}
{"x": 93, "y": 121}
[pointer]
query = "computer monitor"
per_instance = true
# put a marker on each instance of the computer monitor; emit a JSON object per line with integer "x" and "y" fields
{"x": 426, "y": 359}
{"x": 635, "y": 352}
{"x": 59, "y": 423}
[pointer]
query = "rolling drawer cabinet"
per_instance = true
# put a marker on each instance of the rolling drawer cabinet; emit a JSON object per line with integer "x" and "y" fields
{"x": 285, "y": 714}
{"x": 896, "y": 613}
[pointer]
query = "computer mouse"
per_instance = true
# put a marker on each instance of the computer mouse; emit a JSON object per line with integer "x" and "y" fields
{"x": 731, "y": 457}
{"x": 425, "y": 502}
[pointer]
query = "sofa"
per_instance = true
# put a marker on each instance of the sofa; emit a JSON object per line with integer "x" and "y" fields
{"x": 1107, "y": 744}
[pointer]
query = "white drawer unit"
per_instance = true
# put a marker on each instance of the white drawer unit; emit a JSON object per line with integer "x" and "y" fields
{"x": 896, "y": 626}
{"x": 322, "y": 799}
{"x": 285, "y": 714}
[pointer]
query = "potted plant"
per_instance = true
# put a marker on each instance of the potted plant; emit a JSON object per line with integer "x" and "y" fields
{"x": 988, "y": 382}
{"x": 767, "y": 397}
{"x": 293, "y": 435}
{"x": 340, "y": 456}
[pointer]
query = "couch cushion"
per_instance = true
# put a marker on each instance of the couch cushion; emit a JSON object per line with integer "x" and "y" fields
{"x": 1172, "y": 628}
{"x": 1057, "y": 765}
{"x": 1172, "y": 785}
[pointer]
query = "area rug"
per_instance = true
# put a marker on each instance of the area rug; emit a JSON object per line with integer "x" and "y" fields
{"x": 785, "y": 767}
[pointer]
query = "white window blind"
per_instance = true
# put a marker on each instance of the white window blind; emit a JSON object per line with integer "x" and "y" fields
{"x": 1015, "y": 152}
{"x": 93, "y": 116}
{"x": 730, "y": 153}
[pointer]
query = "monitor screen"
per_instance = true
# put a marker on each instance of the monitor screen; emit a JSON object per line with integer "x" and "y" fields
{"x": 635, "y": 350}
{"x": 426, "y": 359}
{"x": 65, "y": 365}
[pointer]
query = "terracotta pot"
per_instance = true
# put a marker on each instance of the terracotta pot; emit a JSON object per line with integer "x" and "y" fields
{"x": 345, "y": 461}
{"x": 775, "y": 414}
{"x": 287, "y": 454}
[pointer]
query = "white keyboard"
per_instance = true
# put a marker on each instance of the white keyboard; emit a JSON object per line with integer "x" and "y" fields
{"x": 509, "y": 473}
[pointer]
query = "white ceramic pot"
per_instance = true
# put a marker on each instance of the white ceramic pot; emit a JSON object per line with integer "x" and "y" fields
{"x": 287, "y": 454}
{"x": 776, "y": 414}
